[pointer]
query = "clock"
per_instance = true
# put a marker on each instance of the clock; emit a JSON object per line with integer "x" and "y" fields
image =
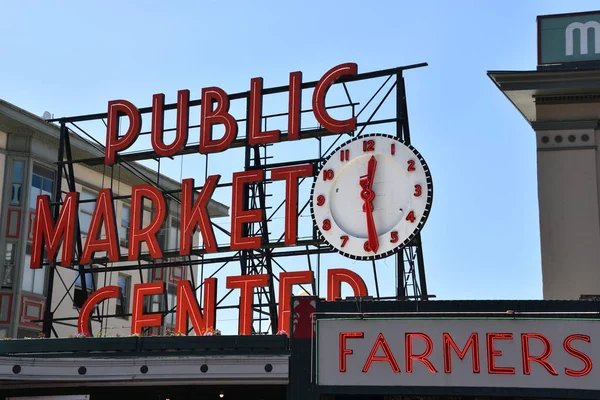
{"x": 371, "y": 197}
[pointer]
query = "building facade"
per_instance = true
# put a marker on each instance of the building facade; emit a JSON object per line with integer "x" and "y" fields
{"x": 28, "y": 154}
{"x": 561, "y": 101}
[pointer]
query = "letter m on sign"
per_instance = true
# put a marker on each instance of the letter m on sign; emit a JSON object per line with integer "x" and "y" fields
{"x": 50, "y": 235}
{"x": 584, "y": 30}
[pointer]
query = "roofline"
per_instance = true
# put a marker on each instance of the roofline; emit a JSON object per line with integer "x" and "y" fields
{"x": 491, "y": 74}
{"x": 518, "y": 86}
{"x": 576, "y": 14}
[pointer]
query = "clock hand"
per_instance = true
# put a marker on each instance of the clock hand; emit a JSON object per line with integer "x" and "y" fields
{"x": 366, "y": 181}
{"x": 368, "y": 195}
{"x": 371, "y": 166}
{"x": 372, "y": 231}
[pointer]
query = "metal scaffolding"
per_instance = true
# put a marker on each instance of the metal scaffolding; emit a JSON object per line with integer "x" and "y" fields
{"x": 378, "y": 102}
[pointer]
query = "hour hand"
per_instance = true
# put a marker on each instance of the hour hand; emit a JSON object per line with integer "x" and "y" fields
{"x": 371, "y": 167}
{"x": 366, "y": 181}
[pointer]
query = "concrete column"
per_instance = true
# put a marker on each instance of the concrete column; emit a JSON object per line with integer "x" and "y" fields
{"x": 568, "y": 197}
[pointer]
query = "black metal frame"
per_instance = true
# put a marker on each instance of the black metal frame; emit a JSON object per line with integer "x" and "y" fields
{"x": 410, "y": 272}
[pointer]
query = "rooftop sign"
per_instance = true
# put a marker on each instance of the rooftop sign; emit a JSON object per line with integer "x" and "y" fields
{"x": 369, "y": 199}
{"x": 502, "y": 353}
{"x": 569, "y": 38}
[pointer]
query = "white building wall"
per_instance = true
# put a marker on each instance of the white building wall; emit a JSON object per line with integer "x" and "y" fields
{"x": 568, "y": 185}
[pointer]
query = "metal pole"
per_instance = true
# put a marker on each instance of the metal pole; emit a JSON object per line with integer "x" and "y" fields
{"x": 421, "y": 266}
{"x": 400, "y": 288}
{"x": 406, "y": 132}
{"x": 47, "y": 325}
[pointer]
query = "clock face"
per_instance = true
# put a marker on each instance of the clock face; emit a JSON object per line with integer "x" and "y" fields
{"x": 372, "y": 196}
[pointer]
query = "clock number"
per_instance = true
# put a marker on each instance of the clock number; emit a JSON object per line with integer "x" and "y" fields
{"x": 418, "y": 191}
{"x": 320, "y": 200}
{"x": 368, "y": 145}
{"x": 344, "y": 240}
{"x": 367, "y": 247}
{"x": 328, "y": 175}
{"x": 344, "y": 155}
{"x": 394, "y": 237}
{"x": 411, "y": 216}
{"x": 326, "y": 225}
{"x": 411, "y": 165}
{"x": 393, "y": 150}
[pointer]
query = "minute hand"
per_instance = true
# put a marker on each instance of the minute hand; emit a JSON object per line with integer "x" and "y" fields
{"x": 368, "y": 195}
{"x": 372, "y": 231}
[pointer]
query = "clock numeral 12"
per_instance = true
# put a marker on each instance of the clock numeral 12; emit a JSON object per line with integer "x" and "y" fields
{"x": 411, "y": 216}
{"x": 369, "y": 145}
{"x": 344, "y": 240}
{"x": 328, "y": 175}
{"x": 326, "y": 225}
{"x": 344, "y": 155}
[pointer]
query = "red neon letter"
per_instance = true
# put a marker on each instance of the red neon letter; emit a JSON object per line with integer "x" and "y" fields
{"x": 114, "y": 142}
{"x": 183, "y": 122}
{"x": 103, "y": 212}
{"x": 343, "y": 350}
{"x": 246, "y": 284}
{"x": 295, "y": 106}
{"x": 286, "y": 281}
{"x": 473, "y": 342}
{"x": 83, "y": 322}
{"x": 389, "y": 356}
{"x": 208, "y": 118}
{"x": 587, "y": 361}
{"x": 187, "y": 304}
{"x": 255, "y": 135}
{"x": 318, "y": 101}
{"x": 197, "y": 215}
{"x": 493, "y": 353}
{"x": 541, "y": 359}
{"x": 48, "y": 235}
{"x": 419, "y": 357}
{"x": 137, "y": 234}
{"x": 336, "y": 276}
{"x": 291, "y": 176}
{"x": 239, "y": 216}
{"x": 138, "y": 318}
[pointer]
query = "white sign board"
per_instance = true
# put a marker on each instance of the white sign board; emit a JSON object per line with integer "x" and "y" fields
{"x": 515, "y": 353}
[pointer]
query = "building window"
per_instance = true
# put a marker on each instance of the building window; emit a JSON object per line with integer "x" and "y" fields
{"x": 42, "y": 182}
{"x": 18, "y": 167}
{"x": 124, "y": 284}
{"x": 161, "y": 236}
{"x": 86, "y": 210}
{"x": 33, "y": 279}
{"x": 171, "y": 303}
{"x": 124, "y": 227}
{"x": 79, "y": 295}
{"x": 9, "y": 264}
{"x": 173, "y": 235}
{"x": 156, "y": 303}
{"x": 168, "y": 235}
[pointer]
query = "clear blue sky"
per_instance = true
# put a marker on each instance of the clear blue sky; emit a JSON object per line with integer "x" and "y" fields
{"x": 482, "y": 238}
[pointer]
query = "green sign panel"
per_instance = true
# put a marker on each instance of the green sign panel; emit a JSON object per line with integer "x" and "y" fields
{"x": 569, "y": 38}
